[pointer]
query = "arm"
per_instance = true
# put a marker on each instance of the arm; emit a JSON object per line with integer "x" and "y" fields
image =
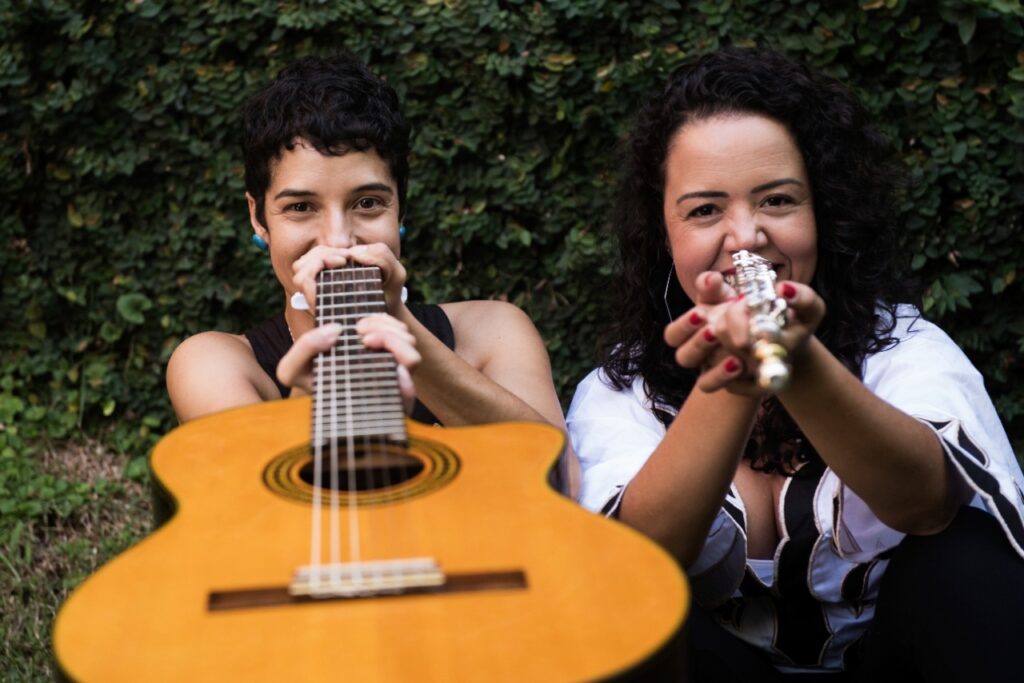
{"x": 676, "y": 495}
{"x": 891, "y": 460}
{"x": 499, "y": 371}
{"x": 214, "y": 371}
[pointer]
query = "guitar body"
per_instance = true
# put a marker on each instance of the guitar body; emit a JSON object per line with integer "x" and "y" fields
{"x": 543, "y": 590}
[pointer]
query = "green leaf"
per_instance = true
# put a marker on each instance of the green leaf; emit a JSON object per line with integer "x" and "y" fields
{"x": 137, "y": 469}
{"x": 132, "y": 306}
{"x": 110, "y": 332}
{"x": 965, "y": 26}
{"x": 959, "y": 152}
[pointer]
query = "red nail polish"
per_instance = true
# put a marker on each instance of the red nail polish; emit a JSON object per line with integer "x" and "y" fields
{"x": 709, "y": 335}
{"x": 788, "y": 290}
{"x": 732, "y": 365}
{"x": 695, "y": 318}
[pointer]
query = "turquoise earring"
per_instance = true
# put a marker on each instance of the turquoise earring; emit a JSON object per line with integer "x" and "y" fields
{"x": 401, "y": 231}
{"x": 260, "y": 243}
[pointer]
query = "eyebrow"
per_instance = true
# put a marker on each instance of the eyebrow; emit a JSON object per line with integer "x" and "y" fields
{"x": 776, "y": 183}
{"x": 715, "y": 194}
{"x": 368, "y": 187}
{"x": 706, "y": 194}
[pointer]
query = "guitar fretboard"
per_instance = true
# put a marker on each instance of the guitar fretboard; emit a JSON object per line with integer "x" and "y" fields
{"x": 355, "y": 389}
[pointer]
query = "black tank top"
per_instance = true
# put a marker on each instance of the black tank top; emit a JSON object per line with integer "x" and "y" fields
{"x": 270, "y": 340}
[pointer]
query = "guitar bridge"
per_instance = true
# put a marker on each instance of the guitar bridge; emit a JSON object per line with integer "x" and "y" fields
{"x": 360, "y": 579}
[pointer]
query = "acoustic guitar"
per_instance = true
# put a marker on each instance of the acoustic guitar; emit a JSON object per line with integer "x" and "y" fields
{"x": 370, "y": 548}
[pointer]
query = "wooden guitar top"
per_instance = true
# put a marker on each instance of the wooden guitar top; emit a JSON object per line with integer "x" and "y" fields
{"x": 593, "y": 600}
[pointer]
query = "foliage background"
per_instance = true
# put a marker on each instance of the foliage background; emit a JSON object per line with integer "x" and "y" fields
{"x": 123, "y": 224}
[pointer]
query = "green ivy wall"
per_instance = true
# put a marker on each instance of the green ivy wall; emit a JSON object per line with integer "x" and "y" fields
{"x": 123, "y": 226}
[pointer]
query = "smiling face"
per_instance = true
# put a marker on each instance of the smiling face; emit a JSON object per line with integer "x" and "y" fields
{"x": 315, "y": 199}
{"x": 737, "y": 181}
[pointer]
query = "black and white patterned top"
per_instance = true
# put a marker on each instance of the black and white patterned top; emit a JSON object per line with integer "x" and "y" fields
{"x": 817, "y": 597}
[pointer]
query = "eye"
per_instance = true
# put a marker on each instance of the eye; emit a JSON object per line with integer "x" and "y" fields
{"x": 299, "y": 207}
{"x": 369, "y": 203}
{"x": 703, "y": 211}
{"x": 777, "y": 200}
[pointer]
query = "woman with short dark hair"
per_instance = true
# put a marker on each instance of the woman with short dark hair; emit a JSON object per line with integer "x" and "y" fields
{"x": 326, "y": 172}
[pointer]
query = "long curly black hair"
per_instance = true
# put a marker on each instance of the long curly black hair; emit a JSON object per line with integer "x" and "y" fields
{"x": 852, "y": 178}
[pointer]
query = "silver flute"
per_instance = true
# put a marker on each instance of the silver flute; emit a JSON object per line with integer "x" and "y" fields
{"x": 754, "y": 278}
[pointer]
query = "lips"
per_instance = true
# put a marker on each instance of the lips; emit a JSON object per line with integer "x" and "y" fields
{"x": 729, "y": 272}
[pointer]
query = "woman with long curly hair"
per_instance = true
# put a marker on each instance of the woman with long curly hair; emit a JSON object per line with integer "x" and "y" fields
{"x": 867, "y": 516}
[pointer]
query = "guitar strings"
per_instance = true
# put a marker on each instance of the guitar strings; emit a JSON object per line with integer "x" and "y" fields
{"x": 347, "y": 295}
{"x": 318, "y": 437}
{"x": 370, "y": 441}
{"x": 354, "y": 553}
{"x": 374, "y": 443}
{"x": 331, "y": 291}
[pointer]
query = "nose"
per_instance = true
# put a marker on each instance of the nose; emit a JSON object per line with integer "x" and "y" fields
{"x": 335, "y": 230}
{"x": 744, "y": 232}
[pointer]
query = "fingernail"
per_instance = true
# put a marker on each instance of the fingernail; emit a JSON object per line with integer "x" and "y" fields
{"x": 709, "y": 335}
{"x": 788, "y": 290}
{"x": 404, "y": 378}
{"x": 695, "y": 318}
{"x": 330, "y": 330}
{"x": 732, "y": 365}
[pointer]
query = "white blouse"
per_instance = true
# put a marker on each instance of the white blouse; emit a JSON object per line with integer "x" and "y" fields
{"x": 818, "y": 596}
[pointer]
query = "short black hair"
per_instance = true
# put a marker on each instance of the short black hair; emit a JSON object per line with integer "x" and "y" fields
{"x": 335, "y": 104}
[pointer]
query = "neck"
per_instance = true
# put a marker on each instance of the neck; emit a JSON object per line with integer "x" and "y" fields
{"x": 299, "y": 322}
{"x": 355, "y": 389}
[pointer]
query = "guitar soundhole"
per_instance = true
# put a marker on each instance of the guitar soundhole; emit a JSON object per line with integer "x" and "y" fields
{"x": 383, "y": 473}
{"x": 372, "y": 468}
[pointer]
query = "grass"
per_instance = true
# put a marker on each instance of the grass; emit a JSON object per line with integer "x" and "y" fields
{"x": 44, "y": 557}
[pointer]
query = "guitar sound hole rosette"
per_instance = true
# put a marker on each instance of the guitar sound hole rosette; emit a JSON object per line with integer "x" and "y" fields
{"x": 384, "y": 473}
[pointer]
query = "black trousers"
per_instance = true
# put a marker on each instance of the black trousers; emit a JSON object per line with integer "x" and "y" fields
{"x": 950, "y": 608}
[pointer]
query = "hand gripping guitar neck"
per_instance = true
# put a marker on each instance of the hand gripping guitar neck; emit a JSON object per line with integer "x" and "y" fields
{"x": 755, "y": 280}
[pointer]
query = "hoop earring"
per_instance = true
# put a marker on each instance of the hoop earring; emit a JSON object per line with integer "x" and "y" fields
{"x": 260, "y": 243}
{"x": 664, "y": 296}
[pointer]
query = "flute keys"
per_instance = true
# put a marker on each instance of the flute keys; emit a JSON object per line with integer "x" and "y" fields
{"x": 772, "y": 369}
{"x": 764, "y": 351}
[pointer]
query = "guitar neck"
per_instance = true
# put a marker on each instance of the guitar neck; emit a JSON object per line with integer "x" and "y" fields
{"x": 355, "y": 389}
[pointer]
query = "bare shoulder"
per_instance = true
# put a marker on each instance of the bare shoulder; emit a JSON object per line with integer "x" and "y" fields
{"x": 213, "y": 371}
{"x": 486, "y": 330}
{"x": 480, "y": 310}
